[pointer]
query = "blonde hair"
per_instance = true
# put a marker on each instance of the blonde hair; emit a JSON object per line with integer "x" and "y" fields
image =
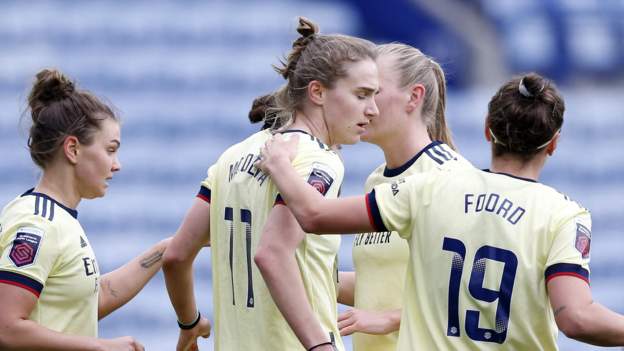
{"x": 414, "y": 67}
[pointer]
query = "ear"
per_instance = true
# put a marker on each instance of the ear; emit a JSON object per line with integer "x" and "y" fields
{"x": 71, "y": 149}
{"x": 417, "y": 96}
{"x": 488, "y": 135}
{"x": 552, "y": 146}
{"x": 316, "y": 92}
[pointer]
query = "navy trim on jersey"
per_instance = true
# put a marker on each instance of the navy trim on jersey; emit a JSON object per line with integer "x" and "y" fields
{"x": 566, "y": 269}
{"x": 279, "y": 200}
{"x": 511, "y": 175}
{"x": 44, "y": 206}
{"x": 428, "y": 150}
{"x": 373, "y": 213}
{"x": 295, "y": 131}
{"x": 21, "y": 281}
{"x": 393, "y": 172}
{"x": 204, "y": 194}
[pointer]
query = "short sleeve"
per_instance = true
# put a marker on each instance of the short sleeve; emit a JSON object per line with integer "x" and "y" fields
{"x": 29, "y": 253}
{"x": 569, "y": 253}
{"x": 389, "y": 206}
{"x": 207, "y": 184}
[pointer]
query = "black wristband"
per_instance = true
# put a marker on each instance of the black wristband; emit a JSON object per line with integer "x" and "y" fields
{"x": 192, "y": 325}
{"x": 321, "y": 344}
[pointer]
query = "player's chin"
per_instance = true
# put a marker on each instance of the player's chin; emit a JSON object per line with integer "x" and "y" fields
{"x": 351, "y": 138}
{"x": 95, "y": 193}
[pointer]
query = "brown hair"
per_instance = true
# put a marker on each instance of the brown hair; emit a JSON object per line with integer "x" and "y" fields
{"x": 414, "y": 67}
{"x": 58, "y": 110}
{"x": 313, "y": 57}
{"x": 524, "y": 116}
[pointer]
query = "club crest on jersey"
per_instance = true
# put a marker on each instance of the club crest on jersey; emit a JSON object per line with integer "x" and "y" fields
{"x": 583, "y": 240}
{"x": 25, "y": 246}
{"x": 320, "y": 178}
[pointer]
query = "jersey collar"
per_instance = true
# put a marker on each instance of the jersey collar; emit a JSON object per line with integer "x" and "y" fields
{"x": 511, "y": 175}
{"x": 393, "y": 172}
{"x": 71, "y": 211}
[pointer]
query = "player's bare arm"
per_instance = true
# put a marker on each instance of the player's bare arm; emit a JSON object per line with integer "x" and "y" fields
{"x": 579, "y": 317}
{"x": 275, "y": 259}
{"x": 17, "y": 332}
{"x": 121, "y": 285}
{"x": 193, "y": 234}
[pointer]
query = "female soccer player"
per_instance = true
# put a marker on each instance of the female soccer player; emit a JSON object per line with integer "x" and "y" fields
{"x": 496, "y": 258}
{"x": 51, "y": 291}
{"x": 411, "y": 101}
{"x": 328, "y": 100}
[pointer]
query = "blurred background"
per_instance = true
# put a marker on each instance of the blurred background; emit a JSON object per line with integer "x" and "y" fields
{"x": 183, "y": 75}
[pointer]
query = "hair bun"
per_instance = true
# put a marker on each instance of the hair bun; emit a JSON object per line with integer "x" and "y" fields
{"x": 531, "y": 85}
{"x": 259, "y": 108}
{"x": 50, "y": 85}
{"x": 307, "y": 28}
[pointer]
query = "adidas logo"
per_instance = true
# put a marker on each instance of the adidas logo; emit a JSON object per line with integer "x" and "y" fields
{"x": 83, "y": 243}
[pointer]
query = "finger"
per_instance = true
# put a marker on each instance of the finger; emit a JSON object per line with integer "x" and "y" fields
{"x": 345, "y": 315}
{"x": 294, "y": 139}
{"x": 347, "y": 330}
{"x": 138, "y": 346}
{"x": 346, "y": 322}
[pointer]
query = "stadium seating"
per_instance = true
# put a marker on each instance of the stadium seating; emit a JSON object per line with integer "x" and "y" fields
{"x": 183, "y": 74}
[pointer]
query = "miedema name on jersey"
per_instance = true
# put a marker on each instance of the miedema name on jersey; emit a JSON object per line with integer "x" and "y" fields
{"x": 246, "y": 164}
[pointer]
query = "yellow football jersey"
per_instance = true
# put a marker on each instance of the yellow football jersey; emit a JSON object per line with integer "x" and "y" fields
{"x": 241, "y": 197}
{"x": 44, "y": 250}
{"x": 380, "y": 259}
{"x": 482, "y": 247}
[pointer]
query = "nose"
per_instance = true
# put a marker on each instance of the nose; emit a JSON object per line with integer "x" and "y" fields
{"x": 116, "y": 165}
{"x": 372, "y": 110}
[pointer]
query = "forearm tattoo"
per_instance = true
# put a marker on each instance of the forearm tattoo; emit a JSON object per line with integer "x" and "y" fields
{"x": 109, "y": 287}
{"x": 152, "y": 259}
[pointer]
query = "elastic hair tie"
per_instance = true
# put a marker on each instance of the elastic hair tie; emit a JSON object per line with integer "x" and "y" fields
{"x": 321, "y": 344}
{"x": 495, "y": 139}
{"x": 191, "y": 325}
{"x": 523, "y": 90}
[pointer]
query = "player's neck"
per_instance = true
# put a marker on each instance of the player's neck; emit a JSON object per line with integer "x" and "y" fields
{"x": 403, "y": 145}
{"x": 58, "y": 183}
{"x": 314, "y": 127}
{"x": 515, "y": 166}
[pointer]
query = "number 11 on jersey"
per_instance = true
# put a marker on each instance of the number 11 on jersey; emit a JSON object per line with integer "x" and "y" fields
{"x": 245, "y": 218}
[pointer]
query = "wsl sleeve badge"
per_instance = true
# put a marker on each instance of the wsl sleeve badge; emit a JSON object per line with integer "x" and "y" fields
{"x": 583, "y": 240}
{"x": 25, "y": 246}
{"x": 321, "y": 178}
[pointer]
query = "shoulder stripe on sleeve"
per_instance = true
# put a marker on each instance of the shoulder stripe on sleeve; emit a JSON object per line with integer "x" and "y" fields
{"x": 21, "y": 281}
{"x": 51, "y": 217}
{"x": 373, "y": 213}
{"x": 569, "y": 269}
{"x": 204, "y": 194}
{"x": 430, "y": 154}
{"x": 36, "y": 205}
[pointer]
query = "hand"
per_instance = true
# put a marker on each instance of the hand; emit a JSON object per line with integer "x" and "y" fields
{"x": 276, "y": 150}
{"x": 369, "y": 322}
{"x": 187, "y": 341}
{"x": 126, "y": 343}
